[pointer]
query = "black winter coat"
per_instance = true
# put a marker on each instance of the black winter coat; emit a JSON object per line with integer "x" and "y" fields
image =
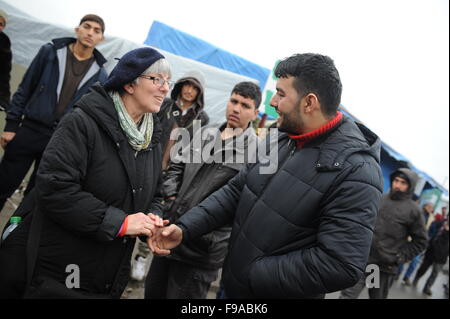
{"x": 306, "y": 229}
{"x": 88, "y": 181}
{"x": 438, "y": 248}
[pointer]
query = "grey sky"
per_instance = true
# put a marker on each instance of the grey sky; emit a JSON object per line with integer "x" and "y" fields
{"x": 393, "y": 56}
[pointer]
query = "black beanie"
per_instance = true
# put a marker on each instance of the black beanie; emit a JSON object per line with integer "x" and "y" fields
{"x": 130, "y": 66}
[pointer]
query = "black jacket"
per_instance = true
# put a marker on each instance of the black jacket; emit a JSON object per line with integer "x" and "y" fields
{"x": 438, "y": 247}
{"x": 397, "y": 220}
{"x": 88, "y": 181}
{"x": 306, "y": 229}
{"x": 37, "y": 95}
{"x": 5, "y": 69}
{"x": 192, "y": 182}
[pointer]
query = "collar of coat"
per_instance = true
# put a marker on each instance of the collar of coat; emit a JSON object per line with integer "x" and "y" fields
{"x": 60, "y": 43}
{"x": 302, "y": 139}
{"x": 337, "y": 144}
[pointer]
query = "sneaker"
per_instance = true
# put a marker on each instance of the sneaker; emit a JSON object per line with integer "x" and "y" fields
{"x": 414, "y": 283}
{"x": 406, "y": 281}
{"x": 138, "y": 268}
{"x": 427, "y": 292}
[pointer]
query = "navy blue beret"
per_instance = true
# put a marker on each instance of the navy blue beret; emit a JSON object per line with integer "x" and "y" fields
{"x": 130, "y": 66}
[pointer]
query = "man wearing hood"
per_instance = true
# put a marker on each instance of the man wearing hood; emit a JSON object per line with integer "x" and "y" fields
{"x": 399, "y": 234}
{"x": 58, "y": 76}
{"x": 186, "y": 104}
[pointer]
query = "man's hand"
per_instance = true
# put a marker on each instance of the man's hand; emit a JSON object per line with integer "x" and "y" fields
{"x": 158, "y": 221}
{"x": 141, "y": 224}
{"x": 6, "y": 138}
{"x": 165, "y": 239}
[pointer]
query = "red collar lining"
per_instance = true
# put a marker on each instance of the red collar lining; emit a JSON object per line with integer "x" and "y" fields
{"x": 302, "y": 139}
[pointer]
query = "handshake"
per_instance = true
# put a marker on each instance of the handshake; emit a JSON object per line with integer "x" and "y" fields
{"x": 161, "y": 238}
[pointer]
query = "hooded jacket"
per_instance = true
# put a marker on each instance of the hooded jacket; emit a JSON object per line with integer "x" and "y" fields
{"x": 193, "y": 182}
{"x": 397, "y": 220}
{"x": 170, "y": 114}
{"x": 88, "y": 181}
{"x": 304, "y": 230}
{"x": 38, "y": 93}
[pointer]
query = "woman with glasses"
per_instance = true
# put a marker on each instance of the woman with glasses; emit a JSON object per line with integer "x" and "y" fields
{"x": 96, "y": 187}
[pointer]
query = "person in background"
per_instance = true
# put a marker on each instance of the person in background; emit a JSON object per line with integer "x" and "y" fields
{"x": 5, "y": 63}
{"x": 96, "y": 188}
{"x": 191, "y": 268}
{"x": 58, "y": 76}
{"x": 435, "y": 256}
{"x": 399, "y": 234}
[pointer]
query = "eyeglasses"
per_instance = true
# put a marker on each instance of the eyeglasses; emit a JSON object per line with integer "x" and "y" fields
{"x": 158, "y": 81}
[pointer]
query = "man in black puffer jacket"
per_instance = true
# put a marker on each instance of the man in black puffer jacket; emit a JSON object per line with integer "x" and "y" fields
{"x": 304, "y": 230}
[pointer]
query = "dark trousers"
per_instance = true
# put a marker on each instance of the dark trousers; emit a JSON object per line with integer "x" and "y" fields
{"x": 13, "y": 262}
{"x": 386, "y": 281}
{"x": 172, "y": 279}
{"x": 427, "y": 263}
{"x": 25, "y": 148}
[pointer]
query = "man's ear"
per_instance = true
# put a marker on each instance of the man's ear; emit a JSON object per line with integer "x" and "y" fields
{"x": 311, "y": 103}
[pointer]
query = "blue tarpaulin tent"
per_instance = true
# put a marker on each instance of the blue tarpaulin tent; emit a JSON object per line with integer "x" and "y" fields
{"x": 180, "y": 43}
{"x": 392, "y": 160}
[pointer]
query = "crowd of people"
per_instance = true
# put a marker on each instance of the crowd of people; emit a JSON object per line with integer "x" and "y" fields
{"x": 108, "y": 171}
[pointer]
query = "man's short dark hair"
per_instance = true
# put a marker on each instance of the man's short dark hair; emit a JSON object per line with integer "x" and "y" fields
{"x": 314, "y": 73}
{"x": 248, "y": 90}
{"x": 94, "y": 18}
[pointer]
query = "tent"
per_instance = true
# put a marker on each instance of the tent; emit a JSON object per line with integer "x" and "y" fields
{"x": 180, "y": 43}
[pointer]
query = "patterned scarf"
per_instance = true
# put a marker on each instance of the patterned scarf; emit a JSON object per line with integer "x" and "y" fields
{"x": 138, "y": 138}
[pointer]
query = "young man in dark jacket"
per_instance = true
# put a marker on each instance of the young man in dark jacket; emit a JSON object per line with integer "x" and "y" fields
{"x": 191, "y": 268}
{"x": 58, "y": 76}
{"x": 304, "y": 230}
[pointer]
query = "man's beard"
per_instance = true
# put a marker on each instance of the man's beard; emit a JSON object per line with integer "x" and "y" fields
{"x": 397, "y": 195}
{"x": 292, "y": 122}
